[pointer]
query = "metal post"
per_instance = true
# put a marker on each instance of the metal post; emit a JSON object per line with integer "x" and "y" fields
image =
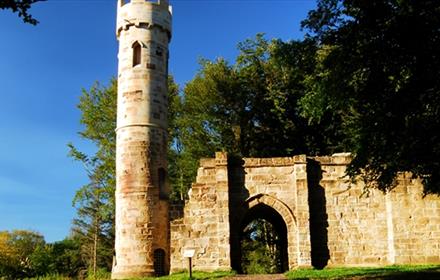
{"x": 190, "y": 268}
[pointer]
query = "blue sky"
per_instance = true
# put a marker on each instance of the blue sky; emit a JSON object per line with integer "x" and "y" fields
{"x": 43, "y": 69}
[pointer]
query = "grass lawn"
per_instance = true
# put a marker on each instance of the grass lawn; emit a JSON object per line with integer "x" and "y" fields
{"x": 406, "y": 272}
{"x": 197, "y": 275}
{"x": 387, "y": 273}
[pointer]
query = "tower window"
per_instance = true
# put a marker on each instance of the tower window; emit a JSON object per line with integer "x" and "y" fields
{"x": 159, "y": 51}
{"x": 137, "y": 52}
{"x": 163, "y": 194}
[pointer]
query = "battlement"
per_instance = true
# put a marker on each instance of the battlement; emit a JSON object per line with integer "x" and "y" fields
{"x": 158, "y": 2}
{"x": 146, "y": 13}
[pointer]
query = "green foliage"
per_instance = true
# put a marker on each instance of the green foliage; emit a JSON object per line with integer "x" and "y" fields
{"x": 94, "y": 224}
{"x": 26, "y": 254}
{"x": 66, "y": 255}
{"x": 23, "y": 254}
{"x": 100, "y": 273}
{"x": 378, "y": 72}
{"x": 50, "y": 277}
{"x": 387, "y": 272}
{"x": 256, "y": 260}
{"x": 177, "y": 162}
{"x": 250, "y": 108}
{"x": 42, "y": 260}
{"x": 22, "y": 7}
{"x": 260, "y": 248}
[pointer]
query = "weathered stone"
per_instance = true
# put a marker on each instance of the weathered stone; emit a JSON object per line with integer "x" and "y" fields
{"x": 142, "y": 214}
{"x": 329, "y": 221}
{"x": 324, "y": 219}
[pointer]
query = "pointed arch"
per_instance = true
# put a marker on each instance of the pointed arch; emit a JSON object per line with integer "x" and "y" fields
{"x": 279, "y": 206}
{"x": 137, "y": 53}
{"x": 276, "y": 212}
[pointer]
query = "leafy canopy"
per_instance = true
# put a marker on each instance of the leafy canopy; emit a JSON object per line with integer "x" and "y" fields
{"x": 378, "y": 71}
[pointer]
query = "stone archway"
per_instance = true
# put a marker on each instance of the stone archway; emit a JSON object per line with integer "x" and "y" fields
{"x": 274, "y": 211}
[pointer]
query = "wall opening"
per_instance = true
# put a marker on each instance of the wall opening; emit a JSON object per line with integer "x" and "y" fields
{"x": 159, "y": 262}
{"x": 263, "y": 242}
{"x": 137, "y": 53}
{"x": 163, "y": 193}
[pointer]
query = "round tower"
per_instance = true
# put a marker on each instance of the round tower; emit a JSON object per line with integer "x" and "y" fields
{"x": 142, "y": 244}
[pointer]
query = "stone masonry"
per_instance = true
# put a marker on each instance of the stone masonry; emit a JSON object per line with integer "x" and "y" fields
{"x": 322, "y": 219}
{"x": 142, "y": 223}
{"x": 326, "y": 220}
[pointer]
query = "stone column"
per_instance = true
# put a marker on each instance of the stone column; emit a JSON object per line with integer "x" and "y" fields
{"x": 302, "y": 214}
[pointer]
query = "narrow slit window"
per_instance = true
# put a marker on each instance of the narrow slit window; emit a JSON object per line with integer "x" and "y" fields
{"x": 163, "y": 194}
{"x": 159, "y": 51}
{"x": 137, "y": 51}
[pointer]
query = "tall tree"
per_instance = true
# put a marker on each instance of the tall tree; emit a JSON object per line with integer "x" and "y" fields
{"x": 18, "y": 250}
{"x": 379, "y": 73}
{"x": 250, "y": 108}
{"x": 21, "y": 7}
{"x": 95, "y": 201}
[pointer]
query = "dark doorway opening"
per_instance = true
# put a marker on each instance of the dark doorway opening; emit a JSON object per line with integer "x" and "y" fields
{"x": 159, "y": 262}
{"x": 263, "y": 242}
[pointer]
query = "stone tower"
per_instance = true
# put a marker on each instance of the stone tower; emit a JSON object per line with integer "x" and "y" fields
{"x": 142, "y": 242}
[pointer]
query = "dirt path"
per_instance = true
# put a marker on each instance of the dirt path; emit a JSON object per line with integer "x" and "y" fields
{"x": 257, "y": 277}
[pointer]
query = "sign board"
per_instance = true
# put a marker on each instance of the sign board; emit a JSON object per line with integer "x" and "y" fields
{"x": 189, "y": 253}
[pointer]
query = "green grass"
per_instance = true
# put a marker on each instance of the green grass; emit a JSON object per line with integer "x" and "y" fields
{"x": 407, "y": 272}
{"x": 176, "y": 276}
{"x": 387, "y": 272}
{"x": 197, "y": 275}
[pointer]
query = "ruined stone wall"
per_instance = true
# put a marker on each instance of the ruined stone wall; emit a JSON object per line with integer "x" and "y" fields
{"x": 204, "y": 226}
{"x": 415, "y": 223}
{"x": 329, "y": 221}
{"x": 372, "y": 228}
{"x": 356, "y": 231}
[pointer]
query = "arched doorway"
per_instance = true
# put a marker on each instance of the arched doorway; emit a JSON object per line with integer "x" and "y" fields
{"x": 159, "y": 262}
{"x": 263, "y": 242}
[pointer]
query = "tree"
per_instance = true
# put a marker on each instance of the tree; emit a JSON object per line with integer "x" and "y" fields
{"x": 7, "y": 255}
{"x": 67, "y": 257}
{"x": 379, "y": 73}
{"x": 22, "y": 7}
{"x": 250, "y": 108}
{"x": 94, "y": 224}
{"x": 42, "y": 260}
{"x": 17, "y": 251}
{"x": 260, "y": 246}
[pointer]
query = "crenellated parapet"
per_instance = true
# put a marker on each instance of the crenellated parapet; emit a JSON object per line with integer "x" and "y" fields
{"x": 144, "y": 13}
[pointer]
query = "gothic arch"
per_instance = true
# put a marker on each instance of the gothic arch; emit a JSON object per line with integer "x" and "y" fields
{"x": 275, "y": 211}
{"x": 137, "y": 53}
{"x": 279, "y": 206}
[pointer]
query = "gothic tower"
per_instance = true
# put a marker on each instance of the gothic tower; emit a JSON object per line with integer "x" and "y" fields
{"x": 142, "y": 242}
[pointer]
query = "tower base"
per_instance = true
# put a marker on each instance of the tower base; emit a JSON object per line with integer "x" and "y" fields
{"x": 132, "y": 271}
